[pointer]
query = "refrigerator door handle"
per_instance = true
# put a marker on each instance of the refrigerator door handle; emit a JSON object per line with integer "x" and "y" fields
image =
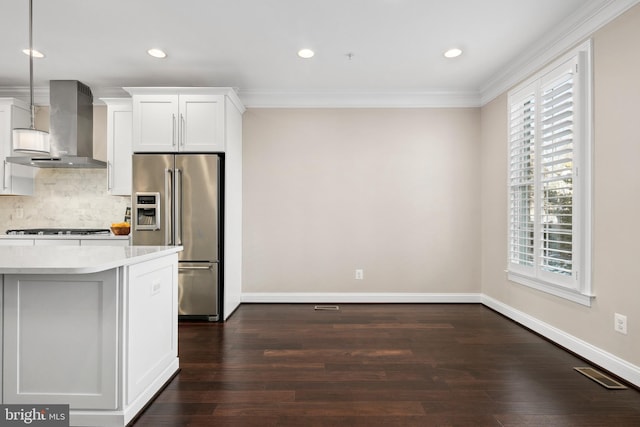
{"x": 168, "y": 226}
{"x": 197, "y": 267}
{"x": 178, "y": 199}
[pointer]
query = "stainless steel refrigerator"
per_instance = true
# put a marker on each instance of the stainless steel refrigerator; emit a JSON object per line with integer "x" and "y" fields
{"x": 177, "y": 201}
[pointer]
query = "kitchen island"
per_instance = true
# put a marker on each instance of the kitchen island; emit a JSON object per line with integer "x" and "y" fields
{"x": 92, "y": 327}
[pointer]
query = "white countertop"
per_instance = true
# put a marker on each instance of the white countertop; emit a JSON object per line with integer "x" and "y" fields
{"x": 75, "y": 259}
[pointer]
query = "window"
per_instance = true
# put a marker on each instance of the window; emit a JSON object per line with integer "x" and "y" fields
{"x": 549, "y": 179}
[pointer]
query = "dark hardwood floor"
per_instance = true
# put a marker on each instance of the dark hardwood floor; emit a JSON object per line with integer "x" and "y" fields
{"x": 379, "y": 365}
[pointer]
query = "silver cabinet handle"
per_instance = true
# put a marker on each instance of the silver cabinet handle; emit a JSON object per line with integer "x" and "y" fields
{"x": 109, "y": 176}
{"x": 173, "y": 130}
{"x": 183, "y": 133}
{"x": 4, "y": 175}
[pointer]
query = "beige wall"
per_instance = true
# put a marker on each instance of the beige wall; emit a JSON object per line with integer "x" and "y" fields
{"x": 392, "y": 191}
{"x": 616, "y": 277}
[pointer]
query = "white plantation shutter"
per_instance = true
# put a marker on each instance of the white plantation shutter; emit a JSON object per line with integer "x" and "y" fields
{"x": 557, "y": 117}
{"x": 548, "y": 214}
{"x": 522, "y": 178}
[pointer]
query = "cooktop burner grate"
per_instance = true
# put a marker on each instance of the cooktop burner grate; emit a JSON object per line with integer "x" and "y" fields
{"x": 58, "y": 231}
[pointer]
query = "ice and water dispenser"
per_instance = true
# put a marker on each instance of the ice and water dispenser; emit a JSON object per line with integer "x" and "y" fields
{"x": 147, "y": 211}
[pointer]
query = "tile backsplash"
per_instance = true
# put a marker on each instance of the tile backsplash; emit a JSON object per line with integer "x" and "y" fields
{"x": 65, "y": 198}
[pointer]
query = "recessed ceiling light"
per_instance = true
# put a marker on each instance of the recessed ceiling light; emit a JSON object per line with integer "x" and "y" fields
{"x": 453, "y": 53}
{"x": 35, "y": 53}
{"x": 157, "y": 53}
{"x": 306, "y": 53}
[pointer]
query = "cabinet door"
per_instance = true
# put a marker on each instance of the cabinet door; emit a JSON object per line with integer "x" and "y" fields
{"x": 201, "y": 123}
{"x": 119, "y": 149}
{"x": 15, "y": 179}
{"x": 155, "y": 123}
{"x": 151, "y": 323}
{"x": 1, "y": 335}
{"x": 60, "y": 335}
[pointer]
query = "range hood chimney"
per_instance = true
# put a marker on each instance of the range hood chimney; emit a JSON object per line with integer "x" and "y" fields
{"x": 70, "y": 129}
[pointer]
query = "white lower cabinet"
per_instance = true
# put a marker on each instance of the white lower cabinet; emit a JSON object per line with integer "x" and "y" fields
{"x": 150, "y": 327}
{"x": 74, "y": 359}
{"x": 1, "y": 335}
{"x": 104, "y": 343}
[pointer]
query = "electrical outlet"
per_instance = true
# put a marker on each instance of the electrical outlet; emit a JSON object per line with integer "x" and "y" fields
{"x": 620, "y": 323}
{"x": 359, "y": 274}
{"x": 19, "y": 213}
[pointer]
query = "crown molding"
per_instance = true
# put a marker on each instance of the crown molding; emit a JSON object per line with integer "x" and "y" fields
{"x": 41, "y": 94}
{"x": 582, "y": 24}
{"x": 435, "y": 99}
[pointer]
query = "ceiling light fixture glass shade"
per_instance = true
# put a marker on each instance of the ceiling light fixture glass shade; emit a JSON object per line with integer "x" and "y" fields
{"x": 306, "y": 53}
{"x": 157, "y": 53}
{"x": 34, "y": 52}
{"x": 453, "y": 53}
{"x": 31, "y": 140}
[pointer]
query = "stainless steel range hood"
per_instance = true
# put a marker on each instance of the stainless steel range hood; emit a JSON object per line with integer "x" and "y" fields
{"x": 70, "y": 129}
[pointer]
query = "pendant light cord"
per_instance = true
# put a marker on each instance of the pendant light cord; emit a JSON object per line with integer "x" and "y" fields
{"x": 31, "y": 65}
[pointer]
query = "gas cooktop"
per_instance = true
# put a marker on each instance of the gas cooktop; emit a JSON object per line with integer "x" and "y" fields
{"x": 58, "y": 231}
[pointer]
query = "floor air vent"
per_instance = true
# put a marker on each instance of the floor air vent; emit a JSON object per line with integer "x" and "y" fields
{"x": 327, "y": 307}
{"x": 601, "y": 378}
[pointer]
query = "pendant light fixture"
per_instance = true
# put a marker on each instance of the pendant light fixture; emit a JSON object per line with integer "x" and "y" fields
{"x": 31, "y": 140}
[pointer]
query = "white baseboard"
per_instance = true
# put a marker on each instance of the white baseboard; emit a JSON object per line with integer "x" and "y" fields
{"x": 358, "y": 297}
{"x": 595, "y": 355}
{"x": 121, "y": 417}
{"x": 608, "y": 361}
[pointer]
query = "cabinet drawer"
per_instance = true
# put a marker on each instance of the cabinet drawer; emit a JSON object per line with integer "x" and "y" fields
{"x": 16, "y": 242}
{"x": 104, "y": 242}
{"x": 57, "y": 242}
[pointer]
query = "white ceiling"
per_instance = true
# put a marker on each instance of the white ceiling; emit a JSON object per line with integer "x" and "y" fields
{"x": 251, "y": 45}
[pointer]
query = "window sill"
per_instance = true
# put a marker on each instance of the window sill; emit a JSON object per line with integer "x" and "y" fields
{"x": 568, "y": 294}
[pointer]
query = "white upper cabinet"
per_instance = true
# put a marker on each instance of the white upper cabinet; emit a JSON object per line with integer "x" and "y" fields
{"x": 180, "y": 119}
{"x": 201, "y": 123}
{"x": 119, "y": 145}
{"x": 15, "y": 179}
{"x": 155, "y": 123}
